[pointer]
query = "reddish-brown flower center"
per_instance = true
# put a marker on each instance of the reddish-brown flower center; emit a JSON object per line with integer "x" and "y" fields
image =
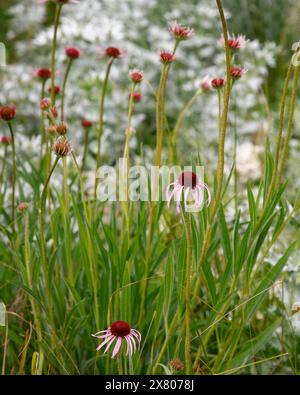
{"x": 120, "y": 328}
{"x": 188, "y": 179}
{"x": 113, "y": 52}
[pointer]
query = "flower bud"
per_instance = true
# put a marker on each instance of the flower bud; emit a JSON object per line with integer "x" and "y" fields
{"x": 7, "y": 113}
{"x": 45, "y": 104}
{"x": 62, "y": 128}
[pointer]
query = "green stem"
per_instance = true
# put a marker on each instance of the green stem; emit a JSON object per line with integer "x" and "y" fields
{"x": 188, "y": 296}
{"x": 101, "y": 117}
{"x": 53, "y": 51}
{"x": 42, "y": 125}
{"x": 63, "y": 92}
{"x": 43, "y": 245}
{"x": 85, "y": 148}
{"x": 180, "y": 119}
{"x": 2, "y": 173}
{"x": 120, "y": 367}
{"x": 13, "y": 175}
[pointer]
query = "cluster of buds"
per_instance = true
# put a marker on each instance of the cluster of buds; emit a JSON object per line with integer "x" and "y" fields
{"x": 7, "y": 113}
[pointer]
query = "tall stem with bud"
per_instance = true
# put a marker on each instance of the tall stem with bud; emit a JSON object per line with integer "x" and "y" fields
{"x": 13, "y": 174}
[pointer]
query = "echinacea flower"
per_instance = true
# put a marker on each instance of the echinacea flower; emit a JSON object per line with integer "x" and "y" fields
{"x": 205, "y": 83}
{"x": 45, "y": 104}
{"x": 237, "y": 72}
{"x": 72, "y": 52}
{"x": 218, "y": 83}
{"x": 185, "y": 187}
{"x": 166, "y": 57}
{"x": 113, "y": 52}
{"x": 22, "y": 207}
{"x": 42, "y": 73}
{"x": 5, "y": 140}
{"x": 7, "y": 113}
{"x": 86, "y": 123}
{"x": 136, "y": 76}
{"x": 236, "y": 42}
{"x": 119, "y": 331}
{"x": 180, "y": 32}
{"x": 57, "y": 89}
{"x": 59, "y": 1}
{"x": 137, "y": 96}
{"x": 62, "y": 147}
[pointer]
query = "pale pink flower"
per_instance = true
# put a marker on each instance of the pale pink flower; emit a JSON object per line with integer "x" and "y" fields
{"x": 236, "y": 42}
{"x": 119, "y": 331}
{"x": 180, "y": 32}
{"x": 188, "y": 188}
{"x": 205, "y": 83}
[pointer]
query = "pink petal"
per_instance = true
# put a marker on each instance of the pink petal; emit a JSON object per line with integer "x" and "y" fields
{"x": 104, "y": 342}
{"x": 129, "y": 345}
{"x": 117, "y": 347}
{"x": 109, "y": 344}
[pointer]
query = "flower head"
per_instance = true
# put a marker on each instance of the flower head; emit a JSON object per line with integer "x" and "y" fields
{"x": 166, "y": 57}
{"x": 72, "y": 52}
{"x": 237, "y": 72}
{"x": 136, "y": 76}
{"x": 206, "y": 83}
{"x": 177, "y": 364}
{"x": 185, "y": 187}
{"x": 119, "y": 331}
{"x": 236, "y": 42}
{"x": 180, "y": 32}
{"x": 137, "y": 96}
{"x": 45, "y": 104}
{"x": 86, "y": 123}
{"x": 43, "y": 73}
{"x": 62, "y": 147}
{"x": 5, "y": 140}
{"x": 57, "y": 89}
{"x": 113, "y": 52}
{"x": 51, "y": 129}
{"x": 218, "y": 83}
{"x": 22, "y": 207}
{"x": 7, "y": 113}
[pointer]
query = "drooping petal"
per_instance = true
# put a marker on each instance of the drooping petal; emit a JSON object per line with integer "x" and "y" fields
{"x": 98, "y": 333}
{"x": 117, "y": 347}
{"x": 109, "y": 344}
{"x": 105, "y": 341}
{"x": 129, "y": 345}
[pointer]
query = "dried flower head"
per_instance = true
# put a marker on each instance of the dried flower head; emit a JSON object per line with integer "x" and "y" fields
{"x": 86, "y": 123}
{"x": 22, "y": 207}
{"x": 62, "y": 147}
{"x": 137, "y": 96}
{"x": 166, "y": 57}
{"x": 43, "y": 73}
{"x": 5, "y": 140}
{"x": 62, "y": 128}
{"x": 180, "y": 32}
{"x": 45, "y": 104}
{"x": 136, "y": 76}
{"x": 218, "y": 83}
{"x": 185, "y": 187}
{"x": 237, "y": 72}
{"x": 7, "y": 113}
{"x": 119, "y": 331}
{"x": 72, "y": 52}
{"x": 51, "y": 129}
